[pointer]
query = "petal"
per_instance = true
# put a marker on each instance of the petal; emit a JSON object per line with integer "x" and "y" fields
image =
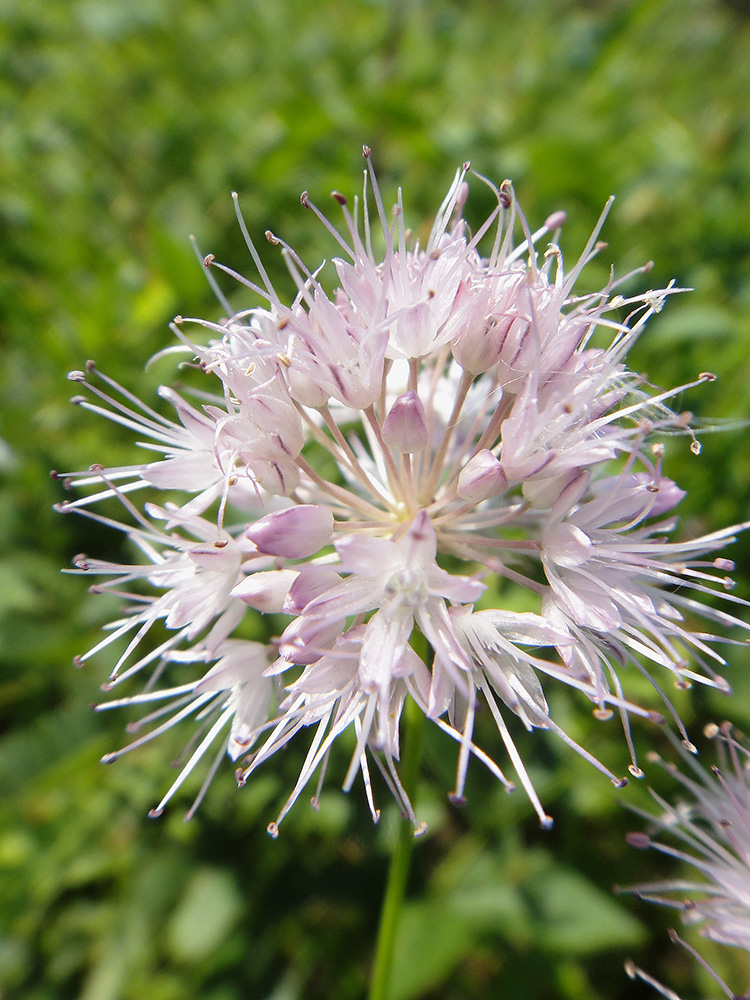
{"x": 295, "y": 533}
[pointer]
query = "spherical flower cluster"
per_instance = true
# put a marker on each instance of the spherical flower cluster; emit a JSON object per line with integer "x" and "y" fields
{"x": 380, "y": 464}
{"x": 711, "y": 831}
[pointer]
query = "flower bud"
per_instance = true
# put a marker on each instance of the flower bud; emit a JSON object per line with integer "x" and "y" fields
{"x": 405, "y": 427}
{"x": 294, "y": 533}
{"x": 279, "y": 477}
{"x": 479, "y": 345}
{"x": 267, "y": 590}
{"x": 305, "y": 640}
{"x": 481, "y": 477}
{"x": 309, "y": 583}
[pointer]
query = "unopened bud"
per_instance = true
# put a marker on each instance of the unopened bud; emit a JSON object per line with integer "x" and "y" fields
{"x": 294, "y": 533}
{"x": 405, "y": 427}
{"x": 267, "y": 590}
{"x": 481, "y": 477}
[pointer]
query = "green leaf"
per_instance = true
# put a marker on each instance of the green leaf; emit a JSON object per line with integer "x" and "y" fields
{"x": 208, "y": 909}
{"x": 577, "y": 918}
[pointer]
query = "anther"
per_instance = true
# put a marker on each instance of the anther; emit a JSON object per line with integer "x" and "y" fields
{"x": 76, "y": 376}
{"x": 641, "y": 841}
{"x": 304, "y": 199}
{"x": 273, "y": 830}
{"x": 366, "y": 152}
{"x": 208, "y": 260}
{"x": 555, "y": 220}
{"x": 725, "y": 564}
{"x": 707, "y": 377}
{"x": 340, "y": 198}
{"x": 273, "y": 240}
{"x": 503, "y": 195}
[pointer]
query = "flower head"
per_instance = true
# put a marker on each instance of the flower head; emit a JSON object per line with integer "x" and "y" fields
{"x": 710, "y": 831}
{"x": 372, "y": 461}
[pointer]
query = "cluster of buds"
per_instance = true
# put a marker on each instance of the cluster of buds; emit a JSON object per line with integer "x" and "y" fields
{"x": 450, "y": 436}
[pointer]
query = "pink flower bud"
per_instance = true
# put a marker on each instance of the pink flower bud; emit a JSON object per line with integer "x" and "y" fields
{"x": 280, "y": 476}
{"x": 309, "y": 583}
{"x": 294, "y": 533}
{"x": 266, "y": 591}
{"x": 305, "y": 640}
{"x": 479, "y": 345}
{"x": 481, "y": 477}
{"x": 405, "y": 427}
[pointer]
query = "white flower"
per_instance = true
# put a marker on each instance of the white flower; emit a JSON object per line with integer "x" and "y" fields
{"x": 372, "y": 458}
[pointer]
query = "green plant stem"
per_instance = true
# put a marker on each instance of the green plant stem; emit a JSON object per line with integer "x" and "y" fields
{"x": 399, "y": 870}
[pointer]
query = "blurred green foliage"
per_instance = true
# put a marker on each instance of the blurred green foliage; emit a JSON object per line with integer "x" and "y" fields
{"x": 123, "y": 128}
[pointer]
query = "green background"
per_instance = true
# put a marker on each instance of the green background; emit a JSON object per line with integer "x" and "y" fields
{"x": 123, "y": 129}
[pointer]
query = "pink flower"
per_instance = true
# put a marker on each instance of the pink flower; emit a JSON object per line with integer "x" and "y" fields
{"x": 365, "y": 459}
{"x": 710, "y": 831}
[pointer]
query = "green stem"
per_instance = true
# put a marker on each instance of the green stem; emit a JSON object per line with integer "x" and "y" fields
{"x": 399, "y": 870}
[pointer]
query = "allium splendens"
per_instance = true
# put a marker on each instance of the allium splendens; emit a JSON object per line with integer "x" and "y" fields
{"x": 377, "y": 463}
{"x": 709, "y": 829}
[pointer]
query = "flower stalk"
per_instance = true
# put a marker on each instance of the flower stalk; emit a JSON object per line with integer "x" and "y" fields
{"x": 398, "y": 872}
